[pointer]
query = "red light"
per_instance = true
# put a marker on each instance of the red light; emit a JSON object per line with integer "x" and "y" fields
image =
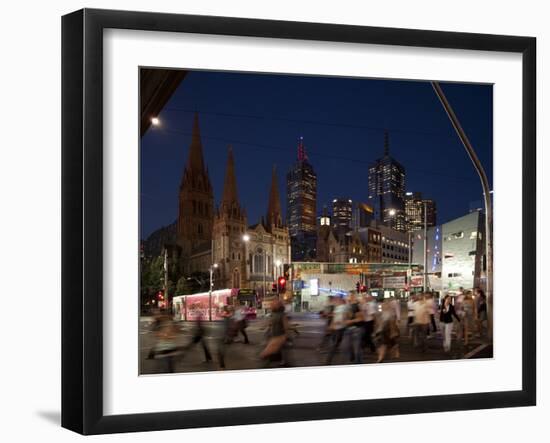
{"x": 282, "y": 281}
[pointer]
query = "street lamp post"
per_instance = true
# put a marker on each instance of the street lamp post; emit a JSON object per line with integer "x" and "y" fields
{"x": 425, "y": 247}
{"x": 277, "y": 273}
{"x": 486, "y": 197}
{"x": 212, "y": 267}
{"x": 409, "y": 270}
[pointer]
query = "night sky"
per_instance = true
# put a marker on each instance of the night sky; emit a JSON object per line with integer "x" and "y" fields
{"x": 342, "y": 121}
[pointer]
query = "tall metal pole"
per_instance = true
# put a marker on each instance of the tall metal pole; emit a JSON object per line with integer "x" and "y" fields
{"x": 486, "y": 198}
{"x": 425, "y": 247}
{"x": 165, "y": 266}
{"x": 409, "y": 273}
{"x": 210, "y": 295}
{"x": 211, "y": 282}
{"x": 265, "y": 267}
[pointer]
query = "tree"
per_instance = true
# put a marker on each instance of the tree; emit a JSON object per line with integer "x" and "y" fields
{"x": 151, "y": 278}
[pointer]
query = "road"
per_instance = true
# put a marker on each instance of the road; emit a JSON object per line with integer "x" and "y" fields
{"x": 303, "y": 352}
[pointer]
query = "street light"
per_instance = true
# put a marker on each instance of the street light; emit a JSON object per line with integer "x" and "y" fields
{"x": 214, "y": 266}
{"x": 486, "y": 197}
{"x": 155, "y": 121}
{"x": 392, "y": 212}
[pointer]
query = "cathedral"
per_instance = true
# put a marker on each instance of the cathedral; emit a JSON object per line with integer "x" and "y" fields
{"x": 242, "y": 256}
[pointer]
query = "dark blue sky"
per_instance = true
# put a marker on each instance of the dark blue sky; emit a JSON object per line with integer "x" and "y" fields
{"x": 342, "y": 121}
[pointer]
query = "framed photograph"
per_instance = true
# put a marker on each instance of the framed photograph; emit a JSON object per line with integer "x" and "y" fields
{"x": 268, "y": 221}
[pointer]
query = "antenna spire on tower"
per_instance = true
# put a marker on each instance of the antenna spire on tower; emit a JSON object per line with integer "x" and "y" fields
{"x": 386, "y": 142}
{"x": 302, "y": 156}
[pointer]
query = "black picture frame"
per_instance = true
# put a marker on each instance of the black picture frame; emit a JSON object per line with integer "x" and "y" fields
{"x": 82, "y": 218}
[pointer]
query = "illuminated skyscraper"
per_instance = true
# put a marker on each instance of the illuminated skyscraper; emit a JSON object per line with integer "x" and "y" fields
{"x": 342, "y": 210}
{"x": 387, "y": 189}
{"x": 301, "y": 194}
{"x": 414, "y": 211}
{"x": 363, "y": 215}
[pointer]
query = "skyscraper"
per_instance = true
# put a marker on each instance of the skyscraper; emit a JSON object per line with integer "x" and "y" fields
{"x": 301, "y": 197}
{"x": 387, "y": 189}
{"x": 362, "y": 216}
{"x": 342, "y": 211}
{"x": 414, "y": 211}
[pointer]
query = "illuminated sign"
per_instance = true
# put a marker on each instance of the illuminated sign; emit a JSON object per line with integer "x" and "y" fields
{"x": 314, "y": 286}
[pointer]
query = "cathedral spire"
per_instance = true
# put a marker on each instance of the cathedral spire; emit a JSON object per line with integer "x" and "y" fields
{"x": 386, "y": 143}
{"x": 274, "y": 215}
{"x": 195, "y": 161}
{"x": 230, "y": 183}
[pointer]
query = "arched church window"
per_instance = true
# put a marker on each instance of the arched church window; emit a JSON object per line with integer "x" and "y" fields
{"x": 236, "y": 278}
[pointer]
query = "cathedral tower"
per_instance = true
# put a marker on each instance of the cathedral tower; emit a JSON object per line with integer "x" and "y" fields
{"x": 228, "y": 231}
{"x": 274, "y": 213}
{"x": 196, "y": 200}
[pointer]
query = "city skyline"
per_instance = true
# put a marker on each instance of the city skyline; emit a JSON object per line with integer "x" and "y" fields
{"x": 261, "y": 139}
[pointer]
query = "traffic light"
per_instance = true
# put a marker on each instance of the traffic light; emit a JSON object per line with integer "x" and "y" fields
{"x": 363, "y": 288}
{"x": 282, "y": 284}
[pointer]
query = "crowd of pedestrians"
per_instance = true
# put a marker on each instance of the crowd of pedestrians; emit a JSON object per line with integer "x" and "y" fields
{"x": 355, "y": 326}
{"x": 366, "y": 325}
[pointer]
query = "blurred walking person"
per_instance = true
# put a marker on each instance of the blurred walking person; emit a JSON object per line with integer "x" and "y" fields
{"x": 355, "y": 329}
{"x": 226, "y": 335}
{"x": 327, "y": 314}
{"x": 370, "y": 309}
{"x": 198, "y": 337}
{"x": 387, "y": 332}
{"x": 338, "y": 327}
{"x": 277, "y": 333}
{"x": 481, "y": 306}
{"x": 446, "y": 319}
{"x": 469, "y": 314}
{"x": 430, "y": 302}
{"x": 421, "y": 323}
{"x": 165, "y": 347}
{"x": 241, "y": 323}
{"x": 410, "y": 315}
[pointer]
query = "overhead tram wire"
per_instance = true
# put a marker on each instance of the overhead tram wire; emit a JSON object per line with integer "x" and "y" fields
{"x": 311, "y": 154}
{"x": 314, "y": 122}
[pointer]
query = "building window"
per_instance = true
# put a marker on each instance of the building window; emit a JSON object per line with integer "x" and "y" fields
{"x": 473, "y": 235}
{"x": 236, "y": 279}
{"x": 258, "y": 262}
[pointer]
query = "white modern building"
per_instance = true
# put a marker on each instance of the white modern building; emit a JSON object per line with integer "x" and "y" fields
{"x": 463, "y": 252}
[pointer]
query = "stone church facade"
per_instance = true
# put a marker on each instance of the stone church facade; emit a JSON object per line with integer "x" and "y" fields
{"x": 246, "y": 256}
